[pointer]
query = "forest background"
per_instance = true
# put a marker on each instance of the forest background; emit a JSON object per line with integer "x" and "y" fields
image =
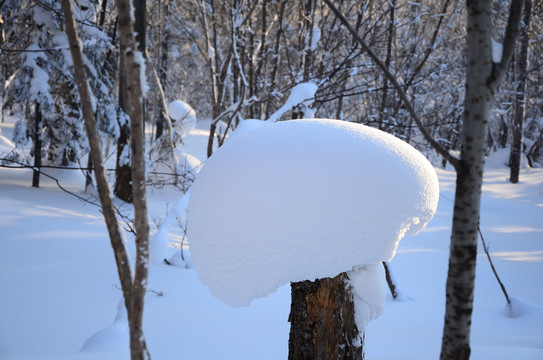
{"x": 233, "y": 60}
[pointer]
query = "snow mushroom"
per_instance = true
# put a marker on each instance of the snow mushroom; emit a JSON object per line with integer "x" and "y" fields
{"x": 184, "y": 114}
{"x": 304, "y": 199}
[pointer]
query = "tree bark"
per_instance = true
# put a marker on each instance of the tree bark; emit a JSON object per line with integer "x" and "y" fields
{"x": 37, "y": 147}
{"x": 123, "y": 172}
{"x": 134, "y": 64}
{"x": 322, "y": 321}
{"x": 519, "y": 107}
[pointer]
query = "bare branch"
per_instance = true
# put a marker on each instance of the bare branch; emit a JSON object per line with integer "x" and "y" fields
{"x": 440, "y": 149}
{"x": 485, "y": 247}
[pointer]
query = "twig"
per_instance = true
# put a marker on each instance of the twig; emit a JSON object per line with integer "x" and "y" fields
{"x": 390, "y": 283}
{"x": 494, "y": 270}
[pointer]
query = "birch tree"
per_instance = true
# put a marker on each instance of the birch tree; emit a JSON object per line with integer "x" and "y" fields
{"x": 484, "y": 73}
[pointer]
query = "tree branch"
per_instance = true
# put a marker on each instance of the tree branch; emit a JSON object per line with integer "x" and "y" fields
{"x": 509, "y": 42}
{"x": 440, "y": 149}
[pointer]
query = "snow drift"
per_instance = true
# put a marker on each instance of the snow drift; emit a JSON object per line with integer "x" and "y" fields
{"x": 304, "y": 199}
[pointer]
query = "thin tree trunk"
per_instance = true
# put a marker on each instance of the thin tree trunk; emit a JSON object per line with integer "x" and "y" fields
{"x": 519, "y": 110}
{"x": 37, "y": 147}
{"x": 322, "y": 324}
{"x": 132, "y": 58}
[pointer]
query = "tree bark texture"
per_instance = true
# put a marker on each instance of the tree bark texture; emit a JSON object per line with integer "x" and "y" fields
{"x": 482, "y": 78}
{"x": 322, "y": 321}
{"x": 519, "y": 107}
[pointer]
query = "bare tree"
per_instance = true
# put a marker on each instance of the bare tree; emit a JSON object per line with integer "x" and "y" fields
{"x": 133, "y": 286}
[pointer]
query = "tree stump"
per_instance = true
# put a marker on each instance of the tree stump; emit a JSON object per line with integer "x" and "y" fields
{"x": 322, "y": 324}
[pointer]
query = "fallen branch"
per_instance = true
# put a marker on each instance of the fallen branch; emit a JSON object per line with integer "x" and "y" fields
{"x": 495, "y": 272}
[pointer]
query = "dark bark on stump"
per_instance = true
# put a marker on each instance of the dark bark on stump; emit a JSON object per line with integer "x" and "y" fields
{"x": 322, "y": 321}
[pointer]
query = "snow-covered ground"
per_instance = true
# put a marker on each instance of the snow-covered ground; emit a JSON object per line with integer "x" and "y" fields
{"x": 59, "y": 283}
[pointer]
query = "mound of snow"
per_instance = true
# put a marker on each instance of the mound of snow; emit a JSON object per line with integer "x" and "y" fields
{"x": 112, "y": 339}
{"x": 301, "y": 200}
{"x": 245, "y": 126}
{"x": 183, "y": 114}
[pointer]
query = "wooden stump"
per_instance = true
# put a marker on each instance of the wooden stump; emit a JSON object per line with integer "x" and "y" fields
{"x": 322, "y": 324}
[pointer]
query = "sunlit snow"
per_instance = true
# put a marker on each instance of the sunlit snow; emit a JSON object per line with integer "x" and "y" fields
{"x": 301, "y": 200}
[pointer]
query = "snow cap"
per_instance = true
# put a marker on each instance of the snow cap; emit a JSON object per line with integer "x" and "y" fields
{"x": 301, "y": 200}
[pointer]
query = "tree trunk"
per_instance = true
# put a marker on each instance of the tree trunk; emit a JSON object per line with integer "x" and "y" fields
{"x": 322, "y": 321}
{"x": 123, "y": 172}
{"x": 519, "y": 107}
{"x": 482, "y": 78}
{"x": 164, "y": 64}
{"x": 37, "y": 147}
{"x": 134, "y": 66}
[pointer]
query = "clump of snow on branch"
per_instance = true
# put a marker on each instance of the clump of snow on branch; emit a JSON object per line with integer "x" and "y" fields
{"x": 303, "y": 93}
{"x": 315, "y": 37}
{"x": 183, "y": 114}
{"x": 140, "y": 59}
{"x": 497, "y": 51}
{"x": 301, "y": 200}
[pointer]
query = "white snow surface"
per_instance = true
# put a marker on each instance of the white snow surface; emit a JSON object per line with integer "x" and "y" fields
{"x": 246, "y": 126}
{"x": 497, "y": 51}
{"x": 369, "y": 293}
{"x": 301, "y": 200}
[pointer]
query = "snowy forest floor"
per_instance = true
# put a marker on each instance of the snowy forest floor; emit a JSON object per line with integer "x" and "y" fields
{"x": 59, "y": 283}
